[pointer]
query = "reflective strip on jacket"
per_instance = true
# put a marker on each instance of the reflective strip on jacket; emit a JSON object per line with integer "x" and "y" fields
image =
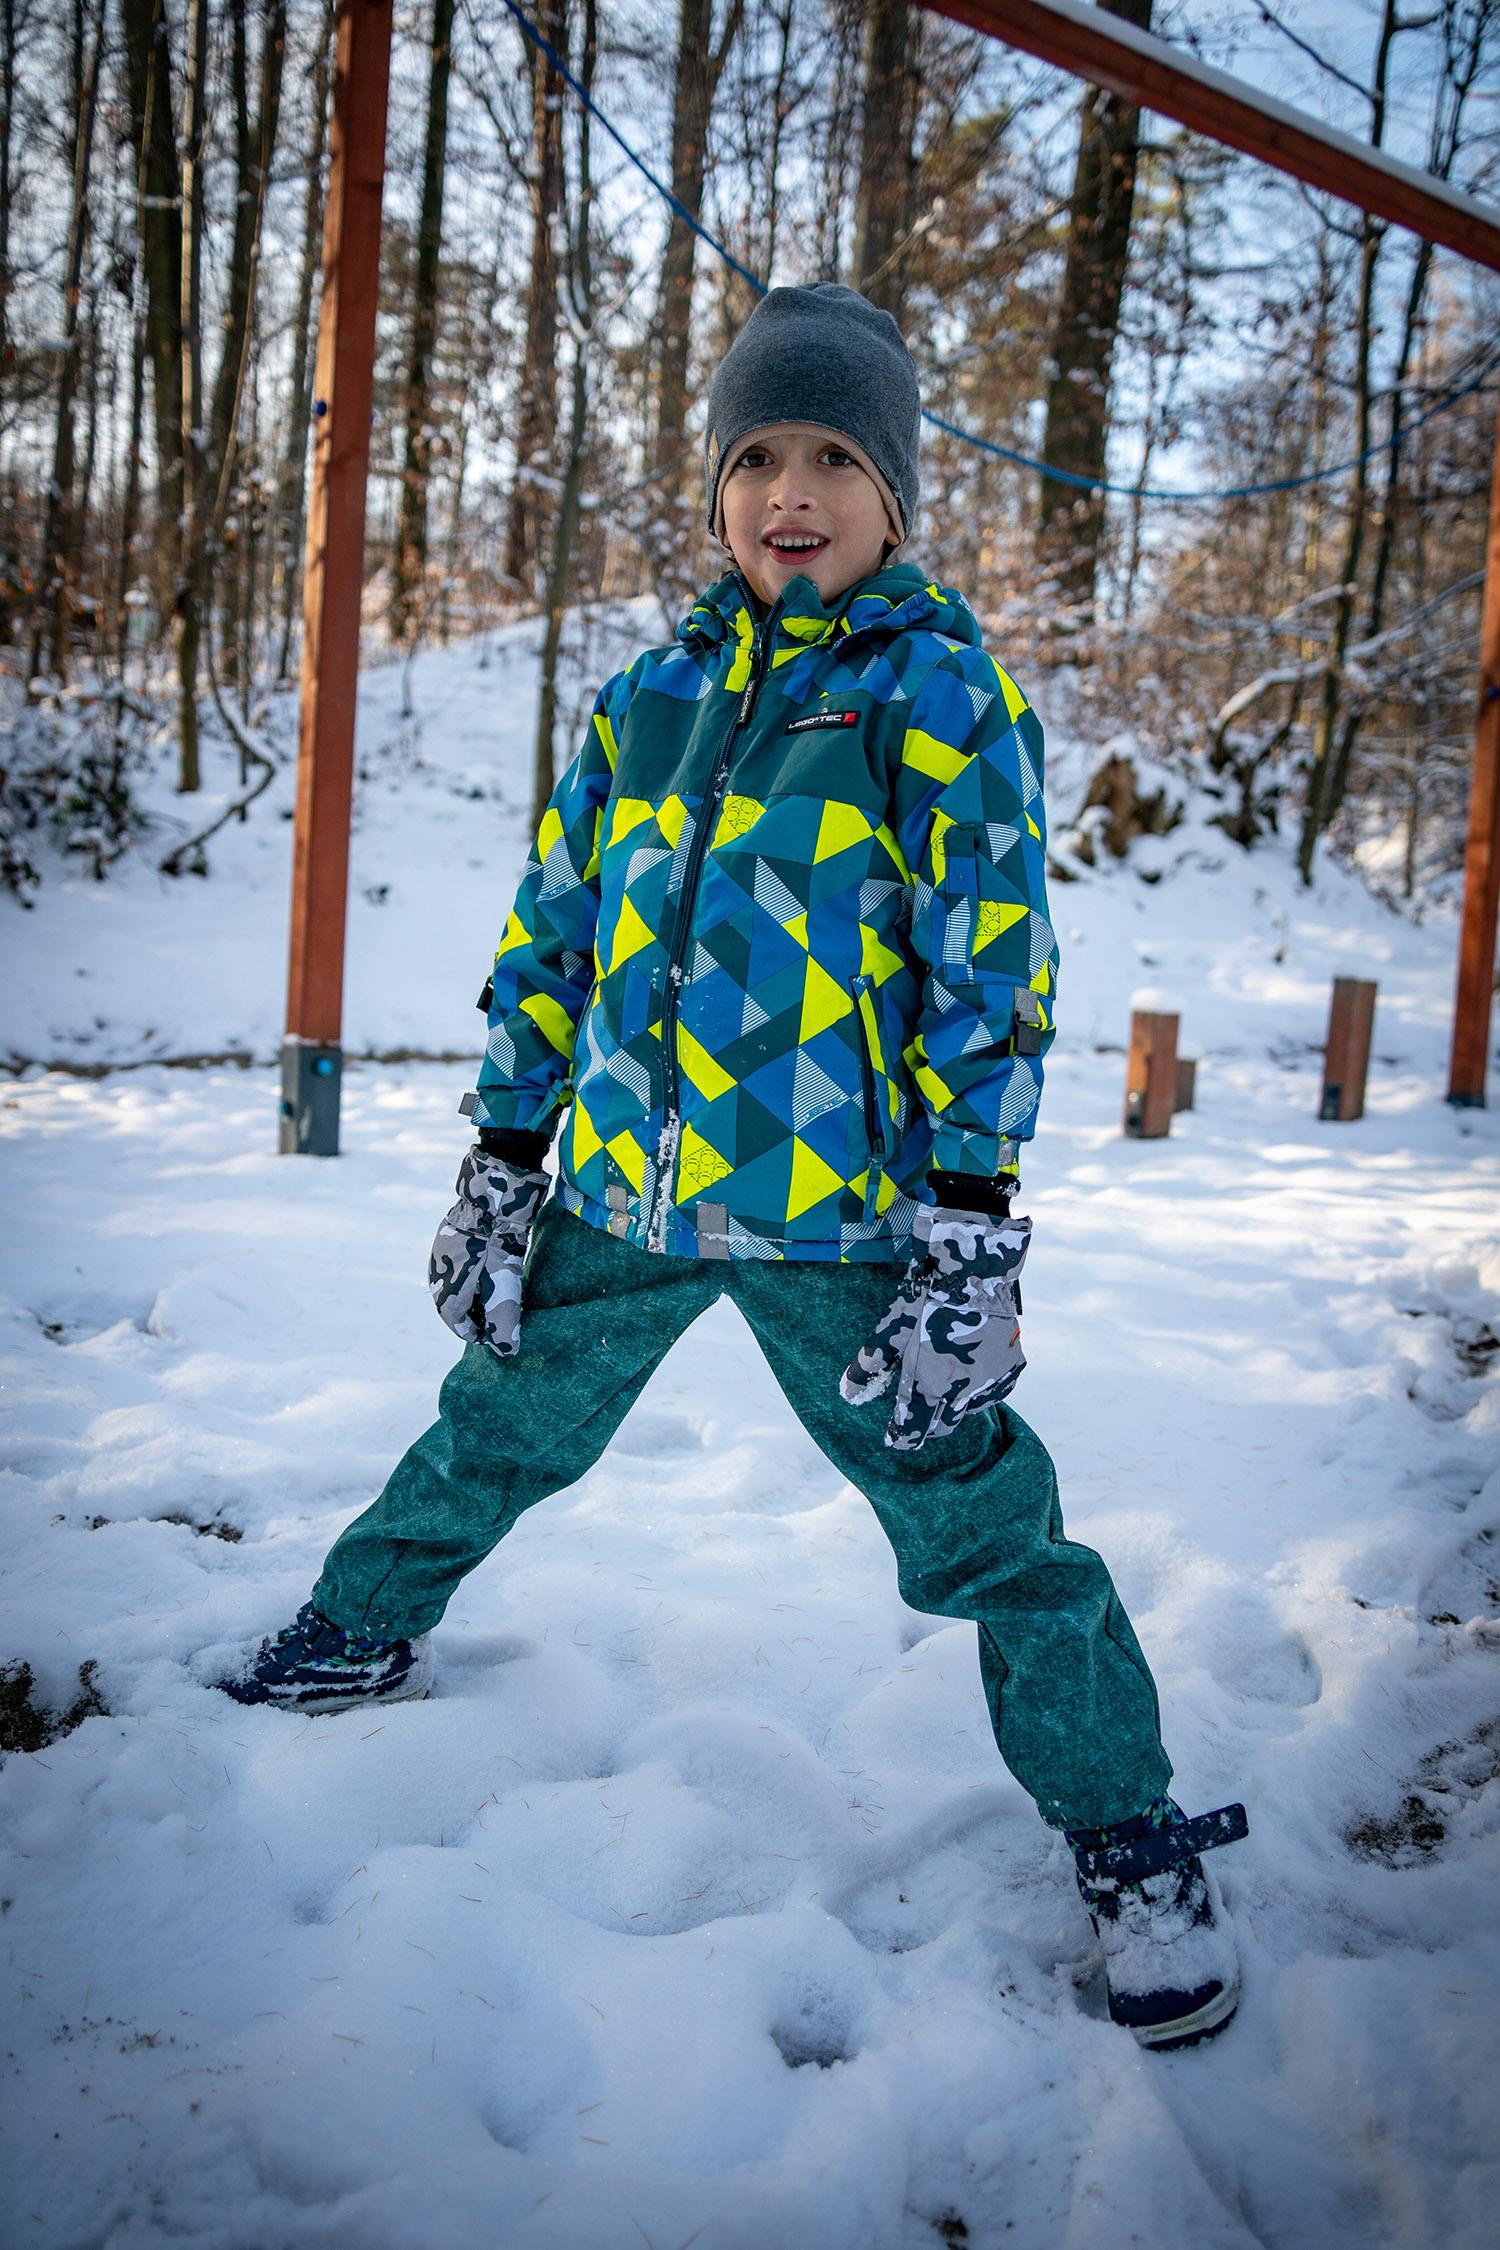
{"x": 782, "y": 943}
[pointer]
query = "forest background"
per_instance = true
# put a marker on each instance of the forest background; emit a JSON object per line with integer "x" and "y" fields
{"x": 1081, "y": 285}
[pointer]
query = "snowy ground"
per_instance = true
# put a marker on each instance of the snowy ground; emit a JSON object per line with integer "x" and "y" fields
{"x": 695, "y": 1905}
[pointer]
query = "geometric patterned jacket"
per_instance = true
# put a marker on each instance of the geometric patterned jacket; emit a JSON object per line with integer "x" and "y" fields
{"x": 781, "y": 947}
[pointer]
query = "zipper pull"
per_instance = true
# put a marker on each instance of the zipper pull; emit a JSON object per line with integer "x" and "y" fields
{"x": 747, "y": 700}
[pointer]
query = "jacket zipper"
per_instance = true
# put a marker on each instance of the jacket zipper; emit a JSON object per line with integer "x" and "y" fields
{"x": 671, "y": 1127}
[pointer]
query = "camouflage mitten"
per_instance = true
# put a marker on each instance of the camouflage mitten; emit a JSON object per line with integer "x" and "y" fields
{"x": 953, "y": 1333}
{"x": 474, "y": 1272}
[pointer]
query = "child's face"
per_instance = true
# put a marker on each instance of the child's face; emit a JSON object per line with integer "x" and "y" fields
{"x": 796, "y": 500}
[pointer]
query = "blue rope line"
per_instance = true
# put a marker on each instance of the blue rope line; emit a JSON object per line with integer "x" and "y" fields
{"x": 1444, "y": 405}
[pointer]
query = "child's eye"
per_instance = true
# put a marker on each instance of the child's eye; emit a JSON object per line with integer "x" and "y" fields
{"x": 753, "y": 457}
{"x": 839, "y": 458}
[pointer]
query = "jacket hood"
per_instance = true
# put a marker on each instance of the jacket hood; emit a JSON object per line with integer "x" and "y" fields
{"x": 890, "y": 601}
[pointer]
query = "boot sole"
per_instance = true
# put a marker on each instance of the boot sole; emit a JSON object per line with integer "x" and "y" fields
{"x": 1188, "y": 2031}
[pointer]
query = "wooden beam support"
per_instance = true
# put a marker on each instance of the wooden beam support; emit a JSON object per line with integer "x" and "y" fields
{"x": 1346, "y": 1053}
{"x": 1476, "y": 946}
{"x": 1151, "y": 1075}
{"x": 1161, "y": 77}
{"x": 333, "y": 576}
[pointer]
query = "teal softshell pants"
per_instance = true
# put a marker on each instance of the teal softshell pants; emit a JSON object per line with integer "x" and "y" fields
{"x": 973, "y": 1517}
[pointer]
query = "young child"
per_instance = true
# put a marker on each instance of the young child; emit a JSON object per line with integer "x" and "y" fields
{"x": 781, "y": 953}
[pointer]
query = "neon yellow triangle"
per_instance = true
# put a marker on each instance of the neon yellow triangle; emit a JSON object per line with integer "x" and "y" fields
{"x": 631, "y": 933}
{"x": 516, "y": 933}
{"x": 586, "y": 1142}
{"x": 627, "y": 813}
{"x": 797, "y": 928}
{"x": 700, "y": 1165}
{"x": 995, "y": 919}
{"x": 812, "y": 1180}
{"x": 824, "y": 1001}
{"x": 629, "y": 1158}
{"x": 841, "y": 826}
{"x": 710, "y": 1078}
{"x": 876, "y": 960}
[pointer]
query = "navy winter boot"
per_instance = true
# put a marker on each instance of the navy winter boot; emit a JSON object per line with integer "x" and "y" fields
{"x": 314, "y": 1666}
{"x": 1169, "y": 1957}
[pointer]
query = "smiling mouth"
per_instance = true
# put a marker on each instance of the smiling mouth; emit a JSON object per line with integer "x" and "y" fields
{"x": 794, "y": 547}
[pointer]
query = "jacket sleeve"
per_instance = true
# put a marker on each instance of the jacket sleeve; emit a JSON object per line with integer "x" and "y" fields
{"x": 971, "y": 825}
{"x": 544, "y": 969}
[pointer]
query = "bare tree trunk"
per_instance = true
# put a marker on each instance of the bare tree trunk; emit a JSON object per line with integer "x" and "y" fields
{"x": 410, "y": 567}
{"x": 187, "y": 620}
{"x": 149, "y": 83}
{"x": 213, "y": 449}
{"x": 60, "y": 530}
{"x": 1318, "y": 810}
{"x": 783, "y": 23}
{"x": 536, "y": 405}
{"x": 292, "y": 497}
{"x": 699, "y": 69}
{"x": 1070, "y": 521}
{"x": 8, "y": 79}
{"x": 1463, "y": 64}
{"x": 580, "y": 279}
{"x": 886, "y": 207}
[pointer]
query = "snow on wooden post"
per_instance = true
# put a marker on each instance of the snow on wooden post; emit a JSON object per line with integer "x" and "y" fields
{"x": 1151, "y": 1070}
{"x": 333, "y": 571}
{"x": 1476, "y": 945}
{"x": 1346, "y": 1058}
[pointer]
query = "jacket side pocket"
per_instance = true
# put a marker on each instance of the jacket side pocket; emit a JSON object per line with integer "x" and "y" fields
{"x": 959, "y": 890}
{"x": 875, "y": 1092}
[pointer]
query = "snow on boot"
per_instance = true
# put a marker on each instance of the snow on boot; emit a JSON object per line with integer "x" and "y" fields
{"x": 1169, "y": 1956}
{"x": 315, "y": 1666}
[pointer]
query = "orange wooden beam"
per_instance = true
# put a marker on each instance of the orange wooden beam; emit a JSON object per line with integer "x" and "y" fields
{"x": 333, "y": 569}
{"x": 1142, "y": 68}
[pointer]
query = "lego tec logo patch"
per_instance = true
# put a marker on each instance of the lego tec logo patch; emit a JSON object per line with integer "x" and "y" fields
{"x": 815, "y": 719}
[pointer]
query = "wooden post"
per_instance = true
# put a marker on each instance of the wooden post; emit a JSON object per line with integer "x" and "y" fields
{"x": 1346, "y": 1058}
{"x": 333, "y": 579}
{"x": 1476, "y": 945}
{"x": 1187, "y": 1083}
{"x": 1151, "y": 1075}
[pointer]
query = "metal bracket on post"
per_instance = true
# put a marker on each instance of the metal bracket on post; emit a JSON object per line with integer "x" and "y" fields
{"x": 310, "y": 1079}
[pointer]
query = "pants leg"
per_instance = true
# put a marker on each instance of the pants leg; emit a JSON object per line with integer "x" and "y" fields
{"x": 977, "y": 1529}
{"x": 598, "y": 1316}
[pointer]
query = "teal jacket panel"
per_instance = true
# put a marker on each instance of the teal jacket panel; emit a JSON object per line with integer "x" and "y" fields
{"x": 782, "y": 945}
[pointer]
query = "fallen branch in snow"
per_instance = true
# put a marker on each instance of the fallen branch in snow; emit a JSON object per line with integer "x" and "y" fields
{"x": 253, "y": 752}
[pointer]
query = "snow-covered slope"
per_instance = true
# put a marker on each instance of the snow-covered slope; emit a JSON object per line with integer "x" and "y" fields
{"x": 695, "y": 1906}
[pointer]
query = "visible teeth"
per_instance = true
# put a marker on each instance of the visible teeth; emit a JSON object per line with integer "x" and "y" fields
{"x": 798, "y": 544}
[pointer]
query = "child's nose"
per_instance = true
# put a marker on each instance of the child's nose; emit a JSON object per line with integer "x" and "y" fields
{"x": 789, "y": 491}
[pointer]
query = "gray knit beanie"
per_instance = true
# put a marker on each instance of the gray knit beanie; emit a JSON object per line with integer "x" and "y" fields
{"x": 821, "y": 354}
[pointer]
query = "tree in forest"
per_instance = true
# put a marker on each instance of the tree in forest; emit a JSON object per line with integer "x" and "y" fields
{"x": 536, "y": 404}
{"x": 409, "y": 567}
{"x": 291, "y": 497}
{"x": 579, "y": 284}
{"x": 1070, "y": 521}
{"x": 61, "y": 532}
{"x": 885, "y": 208}
{"x": 148, "y": 57}
{"x": 699, "y": 68}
